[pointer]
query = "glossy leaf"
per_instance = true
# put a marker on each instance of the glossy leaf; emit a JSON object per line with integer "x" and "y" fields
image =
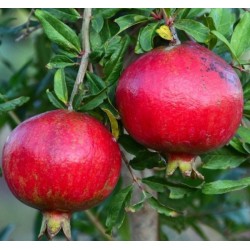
{"x": 54, "y": 100}
{"x": 12, "y": 104}
{"x": 113, "y": 123}
{"x": 71, "y": 15}
{"x": 147, "y": 35}
{"x": 60, "y": 62}
{"x": 116, "y": 208}
{"x": 127, "y": 21}
{"x": 240, "y": 41}
{"x": 244, "y": 134}
{"x": 223, "y": 158}
{"x": 95, "y": 83}
{"x": 161, "y": 209}
{"x": 60, "y": 86}
{"x": 223, "y": 19}
{"x": 195, "y": 29}
{"x": 225, "y": 41}
{"x": 147, "y": 159}
{"x": 130, "y": 145}
{"x": 225, "y": 186}
{"x": 114, "y": 66}
{"x": 58, "y": 32}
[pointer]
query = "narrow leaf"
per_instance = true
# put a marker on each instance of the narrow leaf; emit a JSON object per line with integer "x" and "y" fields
{"x": 96, "y": 84}
{"x": 116, "y": 209}
{"x": 71, "y": 15}
{"x": 130, "y": 145}
{"x": 54, "y": 100}
{"x": 127, "y": 21}
{"x": 58, "y": 32}
{"x": 240, "y": 39}
{"x": 165, "y": 33}
{"x": 60, "y": 62}
{"x": 195, "y": 29}
{"x": 147, "y": 35}
{"x": 147, "y": 159}
{"x": 161, "y": 209}
{"x": 225, "y": 186}
{"x": 114, "y": 66}
{"x": 60, "y": 86}
{"x": 223, "y": 158}
{"x": 224, "y": 40}
{"x": 223, "y": 19}
{"x": 12, "y": 104}
{"x": 113, "y": 123}
{"x": 244, "y": 134}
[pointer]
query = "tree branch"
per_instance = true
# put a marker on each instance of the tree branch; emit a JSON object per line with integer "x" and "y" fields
{"x": 97, "y": 224}
{"x": 85, "y": 58}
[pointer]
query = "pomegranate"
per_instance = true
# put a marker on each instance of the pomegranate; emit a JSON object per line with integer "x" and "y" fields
{"x": 182, "y": 100}
{"x": 60, "y": 162}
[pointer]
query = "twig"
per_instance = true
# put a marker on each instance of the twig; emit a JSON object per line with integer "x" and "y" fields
{"x": 135, "y": 179}
{"x": 97, "y": 224}
{"x": 169, "y": 21}
{"x": 240, "y": 68}
{"x": 85, "y": 58}
{"x": 28, "y": 31}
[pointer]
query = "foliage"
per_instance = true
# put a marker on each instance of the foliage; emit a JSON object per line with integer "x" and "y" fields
{"x": 117, "y": 36}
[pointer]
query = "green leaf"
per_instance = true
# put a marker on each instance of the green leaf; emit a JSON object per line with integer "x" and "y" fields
{"x": 147, "y": 159}
{"x": 97, "y": 23}
{"x": 223, "y": 20}
{"x": 12, "y": 104}
{"x": 240, "y": 39}
{"x": 179, "y": 192}
{"x": 58, "y": 32}
{"x": 147, "y": 35}
{"x": 161, "y": 209}
{"x": 223, "y": 158}
{"x": 116, "y": 208}
{"x": 91, "y": 102}
{"x": 127, "y": 21}
{"x": 95, "y": 83}
{"x": 113, "y": 67}
{"x": 195, "y": 29}
{"x": 130, "y": 145}
{"x": 60, "y": 86}
{"x": 106, "y": 13}
{"x": 155, "y": 183}
{"x": 54, "y": 100}
{"x": 225, "y": 41}
{"x": 237, "y": 145}
{"x": 195, "y": 12}
{"x": 244, "y": 134}
{"x": 1, "y": 172}
{"x": 64, "y": 14}
{"x": 225, "y": 186}
{"x": 60, "y": 62}
{"x": 113, "y": 123}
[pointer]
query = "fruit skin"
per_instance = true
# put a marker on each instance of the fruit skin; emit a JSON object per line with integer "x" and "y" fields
{"x": 181, "y": 99}
{"x": 60, "y": 162}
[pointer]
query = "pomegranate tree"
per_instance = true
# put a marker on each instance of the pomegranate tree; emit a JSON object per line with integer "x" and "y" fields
{"x": 60, "y": 162}
{"x": 182, "y": 101}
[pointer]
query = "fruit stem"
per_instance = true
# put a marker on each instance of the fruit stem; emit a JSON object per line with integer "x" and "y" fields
{"x": 85, "y": 58}
{"x": 186, "y": 164}
{"x": 169, "y": 21}
{"x": 53, "y": 222}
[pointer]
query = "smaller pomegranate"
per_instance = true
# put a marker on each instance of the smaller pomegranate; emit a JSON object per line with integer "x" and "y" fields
{"x": 182, "y": 100}
{"x": 60, "y": 162}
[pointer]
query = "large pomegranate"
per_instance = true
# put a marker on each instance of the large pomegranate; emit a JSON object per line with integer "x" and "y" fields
{"x": 182, "y": 101}
{"x": 60, "y": 162}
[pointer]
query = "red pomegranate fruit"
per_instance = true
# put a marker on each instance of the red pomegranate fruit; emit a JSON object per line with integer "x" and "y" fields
{"x": 182, "y": 101}
{"x": 60, "y": 162}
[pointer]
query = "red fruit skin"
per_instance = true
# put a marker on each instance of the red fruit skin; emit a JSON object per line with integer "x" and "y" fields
{"x": 61, "y": 161}
{"x": 182, "y": 99}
